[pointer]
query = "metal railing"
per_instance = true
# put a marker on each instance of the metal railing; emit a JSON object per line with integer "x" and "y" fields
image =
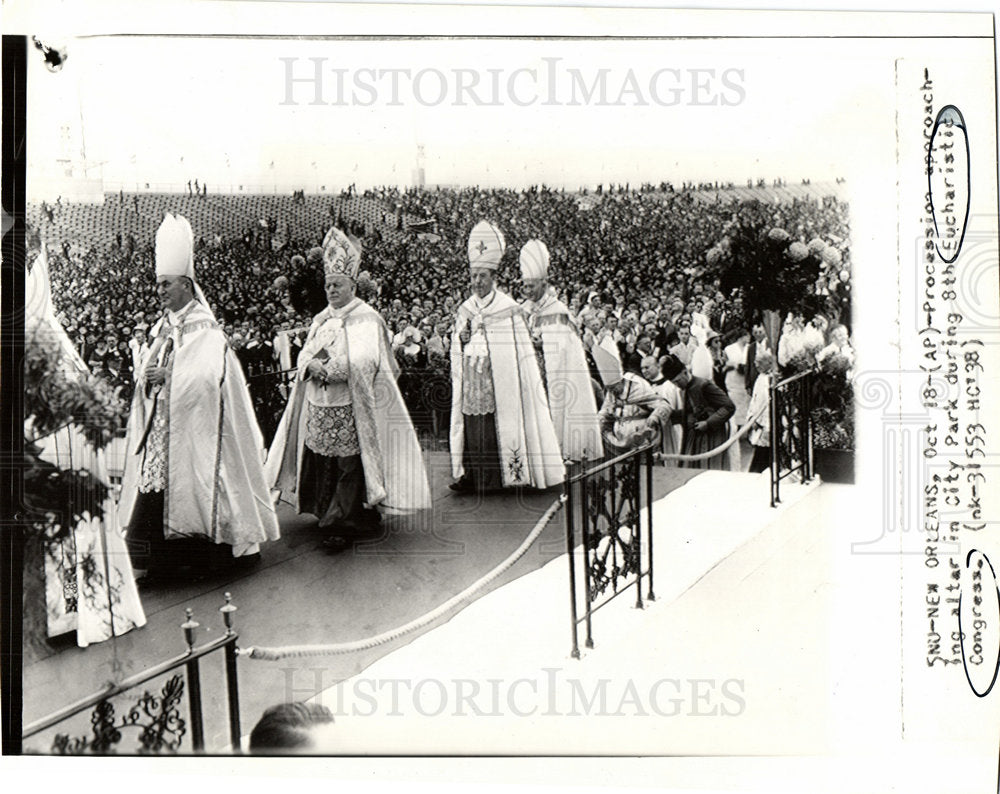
{"x": 791, "y": 431}
{"x": 157, "y": 718}
{"x": 609, "y": 513}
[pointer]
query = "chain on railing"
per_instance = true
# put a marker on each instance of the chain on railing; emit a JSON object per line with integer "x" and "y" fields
{"x": 155, "y": 718}
{"x": 609, "y": 514}
{"x": 791, "y": 431}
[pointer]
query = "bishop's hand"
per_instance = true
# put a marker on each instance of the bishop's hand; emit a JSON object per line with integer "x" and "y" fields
{"x": 316, "y": 371}
{"x": 156, "y": 375}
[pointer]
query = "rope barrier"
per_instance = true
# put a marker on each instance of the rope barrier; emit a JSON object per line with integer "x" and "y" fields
{"x": 724, "y": 446}
{"x": 297, "y": 651}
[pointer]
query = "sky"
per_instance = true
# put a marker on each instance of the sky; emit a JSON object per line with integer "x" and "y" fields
{"x": 567, "y": 113}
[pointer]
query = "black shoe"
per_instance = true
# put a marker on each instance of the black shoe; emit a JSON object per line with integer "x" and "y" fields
{"x": 335, "y": 544}
{"x": 246, "y": 562}
{"x": 463, "y": 485}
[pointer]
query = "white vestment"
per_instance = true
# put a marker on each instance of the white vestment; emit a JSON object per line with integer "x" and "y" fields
{"x": 567, "y": 379}
{"x": 395, "y": 477}
{"x": 529, "y": 447}
{"x": 215, "y": 484}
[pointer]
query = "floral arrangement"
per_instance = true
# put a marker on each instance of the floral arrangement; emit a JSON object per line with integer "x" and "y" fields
{"x": 54, "y": 499}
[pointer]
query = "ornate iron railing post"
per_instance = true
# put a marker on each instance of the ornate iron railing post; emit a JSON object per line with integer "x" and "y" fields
{"x": 232, "y": 684}
{"x": 775, "y": 441}
{"x": 808, "y": 433}
{"x": 155, "y": 716}
{"x": 194, "y": 684}
{"x": 635, "y": 519}
{"x": 791, "y": 431}
{"x": 585, "y": 500}
{"x": 649, "y": 519}
{"x": 571, "y": 554}
{"x": 610, "y": 517}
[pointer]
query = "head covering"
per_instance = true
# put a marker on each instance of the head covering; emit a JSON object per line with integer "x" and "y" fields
{"x": 710, "y": 335}
{"x": 671, "y": 366}
{"x": 486, "y": 246}
{"x": 175, "y": 253}
{"x": 341, "y": 254}
{"x": 608, "y": 366}
{"x": 175, "y": 248}
{"x": 534, "y": 261}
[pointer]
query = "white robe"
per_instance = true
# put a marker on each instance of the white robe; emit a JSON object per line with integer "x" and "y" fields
{"x": 215, "y": 477}
{"x": 395, "y": 477}
{"x": 89, "y": 582}
{"x": 567, "y": 379}
{"x": 529, "y": 447}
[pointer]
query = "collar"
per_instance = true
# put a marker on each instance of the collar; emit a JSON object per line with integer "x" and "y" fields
{"x": 177, "y": 317}
{"x": 548, "y": 298}
{"x": 482, "y": 303}
{"x": 329, "y": 313}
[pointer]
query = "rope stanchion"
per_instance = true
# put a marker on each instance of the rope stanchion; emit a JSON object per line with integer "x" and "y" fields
{"x": 297, "y": 651}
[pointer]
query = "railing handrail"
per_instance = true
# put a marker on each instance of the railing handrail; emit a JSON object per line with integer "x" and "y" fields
{"x": 792, "y": 378}
{"x": 612, "y": 462}
{"x": 778, "y": 391}
{"x": 126, "y": 684}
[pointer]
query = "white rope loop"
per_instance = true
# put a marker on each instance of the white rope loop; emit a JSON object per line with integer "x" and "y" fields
{"x": 296, "y": 651}
{"x": 725, "y": 445}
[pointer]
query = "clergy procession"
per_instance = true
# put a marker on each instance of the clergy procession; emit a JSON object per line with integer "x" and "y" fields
{"x": 357, "y": 431}
{"x": 533, "y": 390}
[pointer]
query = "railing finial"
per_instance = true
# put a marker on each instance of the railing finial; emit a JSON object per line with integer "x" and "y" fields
{"x": 189, "y": 626}
{"x": 227, "y": 611}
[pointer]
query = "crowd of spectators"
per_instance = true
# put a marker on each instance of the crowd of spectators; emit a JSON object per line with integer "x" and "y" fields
{"x": 629, "y": 262}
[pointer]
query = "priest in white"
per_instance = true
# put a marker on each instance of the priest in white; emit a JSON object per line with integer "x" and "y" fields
{"x": 563, "y": 362}
{"x": 345, "y": 450}
{"x": 193, "y": 490}
{"x": 501, "y": 431}
{"x": 89, "y": 582}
